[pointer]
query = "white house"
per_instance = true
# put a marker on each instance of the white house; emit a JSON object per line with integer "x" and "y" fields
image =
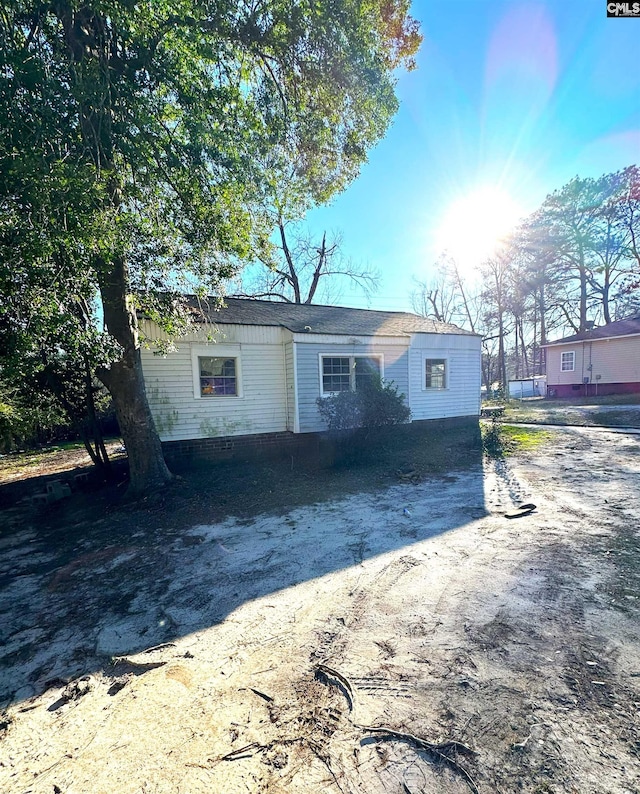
{"x": 600, "y": 361}
{"x": 255, "y": 369}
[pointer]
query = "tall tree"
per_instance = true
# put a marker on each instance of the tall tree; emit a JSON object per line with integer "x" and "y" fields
{"x": 623, "y": 214}
{"x": 628, "y": 213}
{"x": 133, "y": 138}
{"x": 497, "y": 298}
{"x": 565, "y": 228}
{"x": 584, "y": 235}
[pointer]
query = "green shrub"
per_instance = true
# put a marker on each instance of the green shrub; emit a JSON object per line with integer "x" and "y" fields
{"x": 494, "y": 442}
{"x": 374, "y": 404}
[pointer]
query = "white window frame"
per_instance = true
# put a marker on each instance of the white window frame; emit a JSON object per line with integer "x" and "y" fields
{"x": 571, "y": 353}
{"x": 216, "y": 351}
{"x": 435, "y": 357}
{"x": 352, "y": 375}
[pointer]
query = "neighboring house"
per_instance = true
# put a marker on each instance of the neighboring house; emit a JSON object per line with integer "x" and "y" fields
{"x": 604, "y": 360}
{"x": 256, "y": 368}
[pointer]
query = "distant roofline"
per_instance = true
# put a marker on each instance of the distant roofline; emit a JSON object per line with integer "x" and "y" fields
{"x": 592, "y": 335}
{"x": 575, "y": 341}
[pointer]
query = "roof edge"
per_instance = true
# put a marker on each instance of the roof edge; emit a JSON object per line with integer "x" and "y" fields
{"x": 573, "y": 341}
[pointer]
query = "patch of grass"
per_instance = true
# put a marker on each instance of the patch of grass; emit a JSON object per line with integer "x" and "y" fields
{"x": 545, "y": 403}
{"x": 524, "y": 438}
{"x": 21, "y": 461}
{"x": 616, "y": 418}
{"x": 55, "y": 458}
{"x": 499, "y": 439}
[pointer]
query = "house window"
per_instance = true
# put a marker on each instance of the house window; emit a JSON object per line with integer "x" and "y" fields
{"x": 568, "y": 361}
{"x": 435, "y": 373}
{"x": 348, "y": 373}
{"x": 336, "y": 374}
{"x": 218, "y": 376}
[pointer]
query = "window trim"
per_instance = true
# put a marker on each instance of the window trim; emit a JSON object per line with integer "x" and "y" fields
{"x": 432, "y": 357}
{"x": 216, "y": 351}
{"x": 378, "y": 356}
{"x": 571, "y": 353}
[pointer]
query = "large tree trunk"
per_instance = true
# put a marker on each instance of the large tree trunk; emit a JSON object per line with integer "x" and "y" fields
{"x": 124, "y": 380}
{"x": 91, "y": 47}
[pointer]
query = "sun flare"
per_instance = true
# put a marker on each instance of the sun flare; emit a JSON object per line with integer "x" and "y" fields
{"x": 474, "y": 226}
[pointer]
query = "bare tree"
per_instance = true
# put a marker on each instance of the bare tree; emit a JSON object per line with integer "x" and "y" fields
{"x": 299, "y": 269}
{"x": 496, "y": 298}
{"x": 446, "y": 297}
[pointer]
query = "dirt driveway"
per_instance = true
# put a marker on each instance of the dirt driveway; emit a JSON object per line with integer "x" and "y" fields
{"x": 488, "y": 654}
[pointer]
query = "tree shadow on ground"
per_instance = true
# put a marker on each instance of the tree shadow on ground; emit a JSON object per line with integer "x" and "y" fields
{"x": 92, "y": 577}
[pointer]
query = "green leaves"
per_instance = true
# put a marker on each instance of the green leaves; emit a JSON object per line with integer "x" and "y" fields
{"x": 174, "y": 120}
{"x": 144, "y": 145}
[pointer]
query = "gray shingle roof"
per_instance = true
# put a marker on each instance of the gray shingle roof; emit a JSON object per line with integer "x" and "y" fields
{"x": 630, "y": 325}
{"x": 301, "y": 318}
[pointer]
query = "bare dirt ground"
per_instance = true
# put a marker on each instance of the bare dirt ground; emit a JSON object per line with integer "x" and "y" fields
{"x": 411, "y": 639}
{"x": 612, "y": 411}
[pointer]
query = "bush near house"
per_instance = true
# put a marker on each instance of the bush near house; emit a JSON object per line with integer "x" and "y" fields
{"x": 374, "y": 404}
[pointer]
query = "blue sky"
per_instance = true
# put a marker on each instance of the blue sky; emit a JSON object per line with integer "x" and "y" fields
{"x": 509, "y": 98}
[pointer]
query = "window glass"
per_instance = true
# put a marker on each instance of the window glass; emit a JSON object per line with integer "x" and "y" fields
{"x": 217, "y": 376}
{"x": 567, "y": 363}
{"x": 435, "y": 373}
{"x": 348, "y": 373}
{"x": 336, "y": 374}
{"x": 367, "y": 370}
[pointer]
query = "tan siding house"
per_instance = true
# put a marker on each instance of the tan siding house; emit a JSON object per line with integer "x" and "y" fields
{"x": 601, "y": 361}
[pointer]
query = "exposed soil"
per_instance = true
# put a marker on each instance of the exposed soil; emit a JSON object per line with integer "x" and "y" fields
{"x": 257, "y": 653}
{"x": 612, "y": 411}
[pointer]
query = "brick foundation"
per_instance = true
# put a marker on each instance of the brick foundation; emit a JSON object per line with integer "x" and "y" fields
{"x": 251, "y": 447}
{"x": 275, "y": 445}
{"x": 591, "y": 389}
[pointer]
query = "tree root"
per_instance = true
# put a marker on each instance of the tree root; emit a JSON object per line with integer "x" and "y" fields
{"x": 439, "y": 750}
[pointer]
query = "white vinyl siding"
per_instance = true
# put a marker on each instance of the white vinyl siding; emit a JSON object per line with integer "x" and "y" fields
{"x": 461, "y": 395}
{"x": 220, "y": 334}
{"x": 279, "y": 378}
{"x": 291, "y": 387}
{"x": 181, "y": 413}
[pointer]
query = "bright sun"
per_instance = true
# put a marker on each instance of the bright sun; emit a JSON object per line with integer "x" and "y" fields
{"x": 473, "y": 227}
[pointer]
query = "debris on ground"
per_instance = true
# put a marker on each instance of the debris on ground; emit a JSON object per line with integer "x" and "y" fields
{"x": 338, "y": 646}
